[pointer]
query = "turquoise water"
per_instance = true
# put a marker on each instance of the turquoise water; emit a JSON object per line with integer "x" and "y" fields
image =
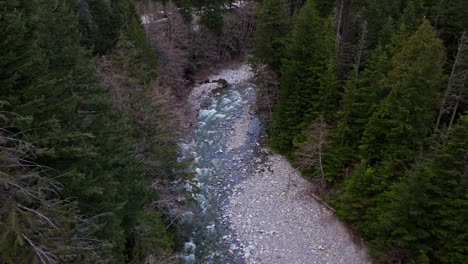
{"x": 216, "y": 173}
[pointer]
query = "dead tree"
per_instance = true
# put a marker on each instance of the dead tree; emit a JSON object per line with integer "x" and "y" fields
{"x": 170, "y": 38}
{"x": 360, "y": 50}
{"x": 341, "y": 25}
{"x": 237, "y": 29}
{"x": 267, "y": 93}
{"x": 309, "y": 154}
{"x": 455, "y": 91}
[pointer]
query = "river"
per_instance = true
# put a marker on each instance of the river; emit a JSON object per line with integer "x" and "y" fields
{"x": 252, "y": 206}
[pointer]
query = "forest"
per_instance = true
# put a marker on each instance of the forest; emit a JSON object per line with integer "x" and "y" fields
{"x": 371, "y": 105}
{"x": 368, "y": 98}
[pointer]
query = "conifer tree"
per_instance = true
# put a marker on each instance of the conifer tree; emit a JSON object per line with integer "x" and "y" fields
{"x": 137, "y": 101}
{"x": 37, "y": 225}
{"x": 271, "y": 34}
{"x": 308, "y": 87}
{"x": 104, "y": 34}
{"x": 361, "y": 97}
{"x": 70, "y": 117}
{"x": 212, "y": 16}
{"x": 427, "y": 216}
{"x": 48, "y": 78}
{"x": 185, "y": 9}
{"x": 401, "y": 123}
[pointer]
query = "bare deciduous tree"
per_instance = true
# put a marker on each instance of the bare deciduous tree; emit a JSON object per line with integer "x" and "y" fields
{"x": 169, "y": 37}
{"x": 309, "y": 153}
{"x": 237, "y": 29}
{"x": 267, "y": 92}
{"x": 455, "y": 91}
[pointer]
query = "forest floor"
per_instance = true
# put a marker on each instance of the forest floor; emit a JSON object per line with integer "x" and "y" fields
{"x": 270, "y": 213}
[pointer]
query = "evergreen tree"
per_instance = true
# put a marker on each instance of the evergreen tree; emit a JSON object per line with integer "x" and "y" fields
{"x": 427, "y": 215}
{"x": 185, "y": 9}
{"x": 212, "y": 16}
{"x": 449, "y": 19}
{"x": 21, "y": 62}
{"x": 360, "y": 99}
{"x": 105, "y": 30}
{"x": 70, "y": 117}
{"x": 399, "y": 126}
{"x": 137, "y": 102}
{"x": 37, "y": 225}
{"x": 308, "y": 87}
{"x": 271, "y": 34}
{"x": 104, "y": 162}
{"x": 410, "y": 12}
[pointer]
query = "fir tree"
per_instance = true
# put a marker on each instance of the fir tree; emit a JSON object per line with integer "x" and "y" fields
{"x": 361, "y": 97}
{"x": 37, "y": 225}
{"x": 137, "y": 101}
{"x": 212, "y": 16}
{"x": 308, "y": 79}
{"x": 398, "y": 127}
{"x": 426, "y": 217}
{"x": 185, "y": 9}
{"x": 271, "y": 34}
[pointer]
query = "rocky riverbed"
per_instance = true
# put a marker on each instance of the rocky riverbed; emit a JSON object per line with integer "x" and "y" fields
{"x": 254, "y": 207}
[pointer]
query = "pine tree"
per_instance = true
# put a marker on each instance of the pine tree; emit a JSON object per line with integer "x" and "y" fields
{"x": 21, "y": 62}
{"x": 70, "y": 117}
{"x": 138, "y": 102}
{"x": 271, "y": 34}
{"x": 105, "y": 33}
{"x": 426, "y": 217}
{"x": 37, "y": 224}
{"x": 405, "y": 116}
{"x": 212, "y": 16}
{"x": 360, "y": 99}
{"x": 49, "y": 79}
{"x": 308, "y": 87}
{"x": 401, "y": 123}
{"x": 449, "y": 19}
{"x": 185, "y": 9}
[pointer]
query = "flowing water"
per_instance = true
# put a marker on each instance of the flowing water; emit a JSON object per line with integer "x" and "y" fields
{"x": 217, "y": 168}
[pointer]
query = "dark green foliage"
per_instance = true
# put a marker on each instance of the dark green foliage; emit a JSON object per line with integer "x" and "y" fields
{"x": 386, "y": 176}
{"x": 325, "y": 7}
{"x": 136, "y": 101}
{"x": 449, "y": 19}
{"x": 377, "y": 12}
{"x": 21, "y": 63}
{"x": 37, "y": 225}
{"x": 101, "y": 20}
{"x": 271, "y": 34}
{"x": 212, "y": 16}
{"x": 185, "y": 9}
{"x": 308, "y": 87}
{"x": 426, "y": 215}
{"x": 105, "y": 31}
{"x": 142, "y": 103}
{"x": 149, "y": 237}
{"x": 399, "y": 126}
{"x": 49, "y": 79}
{"x": 405, "y": 116}
{"x": 361, "y": 98}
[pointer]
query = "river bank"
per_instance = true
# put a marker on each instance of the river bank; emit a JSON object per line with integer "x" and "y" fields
{"x": 254, "y": 207}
